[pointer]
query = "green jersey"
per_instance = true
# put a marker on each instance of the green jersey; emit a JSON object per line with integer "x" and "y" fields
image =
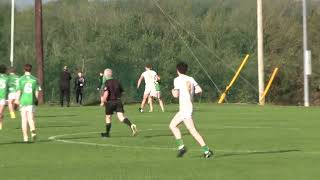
{"x": 3, "y": 86}
{"x": 28, "y": 86}
{"x": 104, "y": 79}
{"x": 13, "y": 83}
{"x": 157, "y": 85}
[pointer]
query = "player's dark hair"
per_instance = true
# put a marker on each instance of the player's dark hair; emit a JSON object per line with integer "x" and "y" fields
{"x": 27, "y": 67}
{"x": 149, "y": 66}
{"x": 3, "y": 69}
{"x": 12, "y": 70}
{"x": 182, "y": 67}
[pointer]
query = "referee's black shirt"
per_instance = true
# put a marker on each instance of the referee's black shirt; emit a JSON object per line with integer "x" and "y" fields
{"x": 114, "y": 88}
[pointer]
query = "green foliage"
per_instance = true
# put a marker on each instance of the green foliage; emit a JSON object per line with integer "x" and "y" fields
{"x": 127, "y": 34}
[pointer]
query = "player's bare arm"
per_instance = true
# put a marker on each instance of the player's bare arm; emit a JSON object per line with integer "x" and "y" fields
{"x": 175, "y": 93}
{"x": 16, "y": 101}
{"x": 198, "y": 89}
{"x": 105, "y": 97}
{"x": 139, "y": 81}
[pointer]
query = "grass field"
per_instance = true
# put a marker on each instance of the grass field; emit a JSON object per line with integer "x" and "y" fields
{"x": 250, "y": 142}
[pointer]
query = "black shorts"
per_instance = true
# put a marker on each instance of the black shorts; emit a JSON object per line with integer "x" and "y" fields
{"x": 114, "y": 106}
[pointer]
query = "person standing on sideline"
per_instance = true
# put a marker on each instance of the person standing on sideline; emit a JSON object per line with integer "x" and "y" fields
{"x": 112, "y": 101}
{"x": 13, "y": 83}
{"x": 27, "y": 98}
{"x": 149, "y": 77}
{"x": 78, "y": 86}
{"x": 65, "y": 78}
{"x": 3, "y": 91}
{"x": 184, "y": 89}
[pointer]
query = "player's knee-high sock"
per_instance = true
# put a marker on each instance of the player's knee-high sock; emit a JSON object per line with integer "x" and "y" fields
{"x": 205, "y": 149}
{"x": 127, "y": 122}
{"x": 180, "y": 143}
{"x": 108, "y": 128}
{"x": 11, "y": 109}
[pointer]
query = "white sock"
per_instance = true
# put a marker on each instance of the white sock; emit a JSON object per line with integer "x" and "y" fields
{"x": 25, "y": 139}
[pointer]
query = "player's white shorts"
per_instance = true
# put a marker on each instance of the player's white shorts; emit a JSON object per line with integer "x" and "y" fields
{"x": 155, "y": 93}
{"x": 12, "y": 96}
{"x": 2, "y": 102}
{"x": 184, "y": 115}
{"x": 30, "y": 109}
{"x": 149, "y": 90}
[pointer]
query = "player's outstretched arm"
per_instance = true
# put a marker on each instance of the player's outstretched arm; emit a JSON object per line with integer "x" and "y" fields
{"x": 139, "y": 81}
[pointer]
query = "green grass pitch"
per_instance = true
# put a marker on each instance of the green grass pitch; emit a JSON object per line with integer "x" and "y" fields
{"x": 251, "y": 142}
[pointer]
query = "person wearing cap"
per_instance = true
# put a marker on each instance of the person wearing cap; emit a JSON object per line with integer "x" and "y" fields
{"x": 65, "y": 78}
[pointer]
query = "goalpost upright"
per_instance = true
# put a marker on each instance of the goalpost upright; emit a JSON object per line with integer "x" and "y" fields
{"x": 12, "y": 32}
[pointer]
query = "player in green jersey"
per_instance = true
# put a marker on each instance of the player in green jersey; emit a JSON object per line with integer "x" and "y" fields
{"x": 3, "y": 91}
{"x": 155, "y": 93}
{"x": 12, "y": 85}
{"x": 27, "y": 97}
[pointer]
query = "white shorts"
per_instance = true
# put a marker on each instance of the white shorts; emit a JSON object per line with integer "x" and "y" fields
{"x": 29, "y": 108}
{"x": 12, "y": 96}
{"x": 2, "y": 102}
{"x": 149, "y": 91}
{"x": 184, "y": 115}
{"x": 155, "y": 94}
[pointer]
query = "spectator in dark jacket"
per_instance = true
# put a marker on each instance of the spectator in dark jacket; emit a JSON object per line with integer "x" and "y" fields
{"x": 78, "y": 86}
{"x": 65, "y": 78}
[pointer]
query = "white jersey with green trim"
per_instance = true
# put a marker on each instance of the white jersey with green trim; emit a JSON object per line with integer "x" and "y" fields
{"x": 185, "y": 85}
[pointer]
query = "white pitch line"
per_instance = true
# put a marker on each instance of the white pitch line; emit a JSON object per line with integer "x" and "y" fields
{"x": 56, "y": 138}
{"x": 245, "y": 127}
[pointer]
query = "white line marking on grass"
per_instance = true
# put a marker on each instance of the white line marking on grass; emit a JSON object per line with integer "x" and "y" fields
{"x": 243, "y": 127}
{"x": 56, "y": 138}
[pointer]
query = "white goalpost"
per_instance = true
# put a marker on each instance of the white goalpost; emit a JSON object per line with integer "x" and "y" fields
{"x": 12, "y": 32}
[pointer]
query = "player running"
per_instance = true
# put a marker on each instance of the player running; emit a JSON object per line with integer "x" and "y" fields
{"x": 13, "y": 83}
{"x": 156, "y": 94}
{"x": 3, "y": 91}
{"x": 27, "y": 97}
{"x": 149, "y": 77}
{"x": 111, "y": 100}
{"x": 184, "y": 89}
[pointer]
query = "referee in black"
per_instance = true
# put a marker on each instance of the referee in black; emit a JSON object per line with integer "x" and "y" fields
{"x": 65, "y": 78}
{"x": 111, "y": 99}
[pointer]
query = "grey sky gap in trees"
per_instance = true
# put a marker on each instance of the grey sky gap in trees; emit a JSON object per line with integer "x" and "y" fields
{"x": 26, "y": 3}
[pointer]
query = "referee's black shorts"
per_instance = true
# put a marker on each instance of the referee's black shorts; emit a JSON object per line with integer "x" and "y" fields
{"x": 114, "y": 106}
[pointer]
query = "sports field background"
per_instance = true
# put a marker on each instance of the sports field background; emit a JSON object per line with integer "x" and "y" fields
{"x": 251, "y": 142}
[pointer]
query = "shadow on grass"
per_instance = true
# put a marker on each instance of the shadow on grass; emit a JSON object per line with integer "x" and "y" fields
{"x": 21, "y": 142}
{"x": 96, "y": 136}
{"x": 57, "y": 126}
{"x": 164, "y": 135}
{"x": 54, "y": 116}
{"x": 257, "y": 153}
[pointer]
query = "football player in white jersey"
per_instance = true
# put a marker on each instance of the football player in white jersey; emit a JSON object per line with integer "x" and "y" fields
{"x": 184, "y": 89}
{"x": 149, "y": 77}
